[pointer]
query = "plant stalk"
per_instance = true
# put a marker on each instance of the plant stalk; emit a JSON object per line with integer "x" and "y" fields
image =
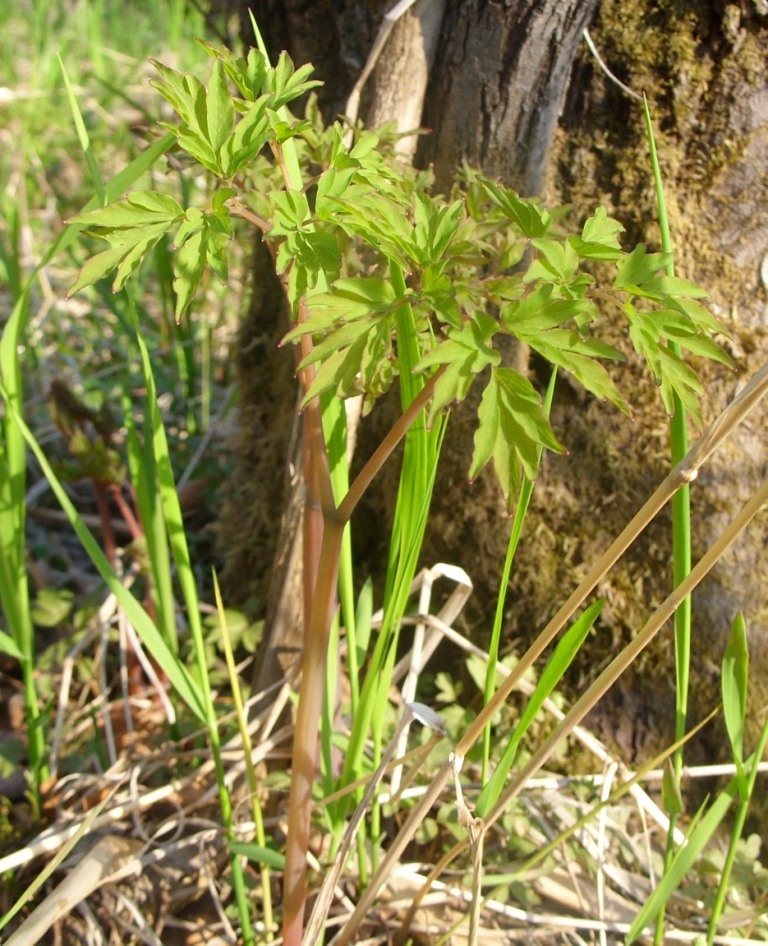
{"x": 322, "y": 611}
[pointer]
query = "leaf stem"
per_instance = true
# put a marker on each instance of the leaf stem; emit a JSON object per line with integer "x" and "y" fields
{"x": 236, "y": 208}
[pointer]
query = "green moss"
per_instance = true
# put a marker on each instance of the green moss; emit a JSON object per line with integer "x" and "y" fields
{"x": 702, "y": 67}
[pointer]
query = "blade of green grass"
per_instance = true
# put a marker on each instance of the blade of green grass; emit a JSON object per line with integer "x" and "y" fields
{"x": 253, "y": 785}
{"x": 417, "y": 477}
{"x": 83, "y": 138}
{"x": 561, "y": 659}
{"x": 177, "y": 673}
{"x": 735, "y": 677}
{"x": 141, "y": 463}
{"x": 681, "y": 520}
{"x": 683, "y": 861}
{"x": 169, "y": 499}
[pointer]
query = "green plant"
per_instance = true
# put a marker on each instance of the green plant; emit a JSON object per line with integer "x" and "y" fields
{"x": 432, "y": 289}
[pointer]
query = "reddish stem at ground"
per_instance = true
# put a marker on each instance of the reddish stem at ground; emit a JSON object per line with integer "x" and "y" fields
{"x": 323, "y": 607}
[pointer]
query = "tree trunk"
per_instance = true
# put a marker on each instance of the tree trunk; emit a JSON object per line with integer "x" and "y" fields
{"x": 499, "y": 85}
{"x": 493, "y": 98}
{"x": 702, "y": 66}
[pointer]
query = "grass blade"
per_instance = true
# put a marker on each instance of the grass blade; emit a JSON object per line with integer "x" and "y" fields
{"x": 561, "y": 659}
{"x": 683, "y": 861}
{"x": 83, "y": 137}
{"x": 177, "y": 673}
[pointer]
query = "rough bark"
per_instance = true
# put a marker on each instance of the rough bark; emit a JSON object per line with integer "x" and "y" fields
{"x": 257, "y": 525}
{"x": 702, "y": 65}
{"x": 498, "y": 89}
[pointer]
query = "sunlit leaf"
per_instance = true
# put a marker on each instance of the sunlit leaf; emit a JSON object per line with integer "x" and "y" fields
{"x": 532, "y": 220}
{"x": 220, "y": 112}
{"x": 735, "y": 677}
{"x": 640, "y": 267}
{"x": 512, "y": 426}
{"x": 600, "y": 228}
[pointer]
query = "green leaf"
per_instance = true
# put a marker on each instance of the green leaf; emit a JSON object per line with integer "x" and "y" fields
{"x": 596, "y": 251}
{"x": 561, "y": 258}
{"x": 349, "y": 299}
{"x": 672, "y": 374}
{"x": 287, "y": 84}
{"x": 538, "y": 311}
{"x": 192, "y": 223}
{"x": 466, "y": 352}
{"x": 147, "y": 237}
{"x": 206, "y": 241}
{"x": 568, "y": 350}
{"x": 291, "y": 211}
{"x": 512, "y": 426}
{"x": 558, "y": 663}
{"x": 318, "y": 252}
{"x": 97, "y": 267}
{"x": 451, "y": 388}
{"x": 196, "y": 146}
{"x": 682, "y": 862}
{"x": 435, "y": 226}
{"x": 138, "y": 209}
{"x": 9, "y": 646}
{"x": 640, "y": 267}
{"x": 357, "y": 319}
{"x": 285, "y": 128}
{"x": 600, "y": 228}
{"x": 52, "y": 606}
{"x": 532, "y": 220}
{"x": 700, "y": 316}
{"x": 438, "y": 293}
{"x": 133, "y": 226}
{"x": 364, "y": 146}
{"x": 735, "y": 681}
{"x": 258, "y": 854}
{"x": 175, "y": 90}
{"x": 252, "y": 132}
{"x": 381, "y": 222}
{"x": 333, "y": 183}
{"x": 248, "y": 77}
{"x": 679, "y": 329}
{"x": 345, "y": 335}
{"x": 671, "y": 797}
{"x": 674, "y": 286}
{"x": 220, "y": 113}
{"x": 256, "y": 70}
{"x": 356, "y": 358}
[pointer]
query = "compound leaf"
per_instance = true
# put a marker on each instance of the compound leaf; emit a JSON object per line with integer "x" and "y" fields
{"x": 512, "y": 426}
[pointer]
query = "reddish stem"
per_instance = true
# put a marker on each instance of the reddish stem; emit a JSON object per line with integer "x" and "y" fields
{"x": 126, "y": 512}
{"x": 323, "y": 607}
{"x": 305, "y": 737}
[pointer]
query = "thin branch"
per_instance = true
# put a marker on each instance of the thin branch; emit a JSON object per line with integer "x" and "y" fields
{"x": 239, "y": 210}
